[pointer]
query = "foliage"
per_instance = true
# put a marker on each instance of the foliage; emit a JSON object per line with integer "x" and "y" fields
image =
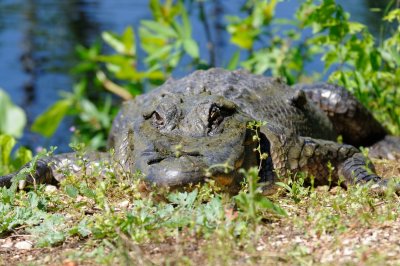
{"x": 12, "y": 117}
{"x": 252, "y": 201}
{"x": 94, "y": 121}
{"x": 7, "y": 162}
{"x": 13, "y": 216}
{"x": 295, "y": 187}
{"x": 168, "y": 36}
{"x": 143, "y": 216}
{"x": 48, "y": 123}
{"x": 320, "y": 30}
{"x": 349, "y": 50}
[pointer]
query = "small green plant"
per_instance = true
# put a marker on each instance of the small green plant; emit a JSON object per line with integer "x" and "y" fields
{"x": 255, "y": 127}
{"x": 295, "y": 187}
{"x": 251, "y": 200}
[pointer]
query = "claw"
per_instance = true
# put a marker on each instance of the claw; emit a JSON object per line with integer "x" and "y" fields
{"x": 385, "y": 185}
{"x": 22, "y": 184}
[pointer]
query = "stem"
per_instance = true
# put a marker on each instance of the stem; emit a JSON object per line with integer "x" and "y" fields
{"x": 252, "y": 198}
{"x": 113, "y": 87}
{"x": 210, "y": 43}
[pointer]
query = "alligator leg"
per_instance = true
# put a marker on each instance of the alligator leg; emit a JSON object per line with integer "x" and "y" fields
{"x": 349, "y": 117}
{"x": 314, "y": 156}
{"x": 347, "y": 165}
{"x": 327, "y": 162}
{"x": 52, "y": 169}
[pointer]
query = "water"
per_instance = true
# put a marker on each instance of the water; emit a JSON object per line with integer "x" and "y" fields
{"x": 38, "y": 40}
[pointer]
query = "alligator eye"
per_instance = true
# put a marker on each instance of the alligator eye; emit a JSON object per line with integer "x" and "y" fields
{"x": 215, "y": 117}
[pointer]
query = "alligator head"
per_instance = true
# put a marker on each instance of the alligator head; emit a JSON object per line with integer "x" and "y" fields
{"x": 177, "y": 140}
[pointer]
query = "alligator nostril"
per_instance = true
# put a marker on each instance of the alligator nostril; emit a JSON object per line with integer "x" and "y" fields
{"x": 191, "y": 153}
{"x": 155, "y": 160}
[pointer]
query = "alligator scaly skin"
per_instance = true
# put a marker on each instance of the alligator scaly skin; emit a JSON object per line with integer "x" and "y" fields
{"x": 175, "y": 132}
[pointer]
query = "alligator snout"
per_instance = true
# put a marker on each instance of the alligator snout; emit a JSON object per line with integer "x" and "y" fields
{"x": 177, "y": 171}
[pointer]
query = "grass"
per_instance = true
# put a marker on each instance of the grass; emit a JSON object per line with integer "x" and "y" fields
{"x": 109, "y": 221}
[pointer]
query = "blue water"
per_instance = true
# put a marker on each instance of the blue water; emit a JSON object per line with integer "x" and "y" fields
{"x": 38, "y": 40}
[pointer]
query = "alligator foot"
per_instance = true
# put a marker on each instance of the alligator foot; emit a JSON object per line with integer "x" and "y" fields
{"x": 52, "y": 169}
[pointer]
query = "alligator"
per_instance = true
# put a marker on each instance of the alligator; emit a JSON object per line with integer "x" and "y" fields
{"x": 184, "y": 131}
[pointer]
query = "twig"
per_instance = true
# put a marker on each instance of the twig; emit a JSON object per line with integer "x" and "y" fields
{"x": 113, "y": 87}
{"x": 17, "y": 235}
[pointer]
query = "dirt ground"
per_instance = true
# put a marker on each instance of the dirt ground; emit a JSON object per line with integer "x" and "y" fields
{"x": 282, "y": 242}
{"x": 284, "y": 245}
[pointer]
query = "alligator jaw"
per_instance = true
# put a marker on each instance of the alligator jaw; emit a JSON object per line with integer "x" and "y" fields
{"x": 176, "y": 171}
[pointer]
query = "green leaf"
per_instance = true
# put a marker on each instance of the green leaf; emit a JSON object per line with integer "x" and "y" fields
{"x": 22, "y": 156}
{"x": 162, "y": 53}
{"x": 161, "y": 29}
{"x": 233, "y": 63}
{"x": 47, "y": 123}
{"x": 257, "y": 16}
{"x": 71, "y": 191}
{"x": 116, "y": 59}
{"x": 12, "y": 117}
{"x": 113, "y": 40}
{"x": 155, "y": 7}
{"x": 191, "y": 48}
{"x": 375, "y": 60}
{"x": 269, "y": 205}
{"x": 33, "y": 199}
{"x": 183, "y": 199}
{"x": 128, "y": 39}
{"x": 393, "y": 15}
{"x": 244, "y": 39}
{"x": 90, "y": 193}
{"x": 355, "y": 27}
{"x": 330, "y": 58}
{"x": 83, "y": 228}
{"x": 6, "y": 145}
{"x": 50, "y": 232}
{"x": 284, "y": 185}
{"x": 186, "y": 25}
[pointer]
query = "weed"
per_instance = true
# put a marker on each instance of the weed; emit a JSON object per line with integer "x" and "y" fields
{"x": 295, "y": 186}
{"x": 251, "y": 200}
